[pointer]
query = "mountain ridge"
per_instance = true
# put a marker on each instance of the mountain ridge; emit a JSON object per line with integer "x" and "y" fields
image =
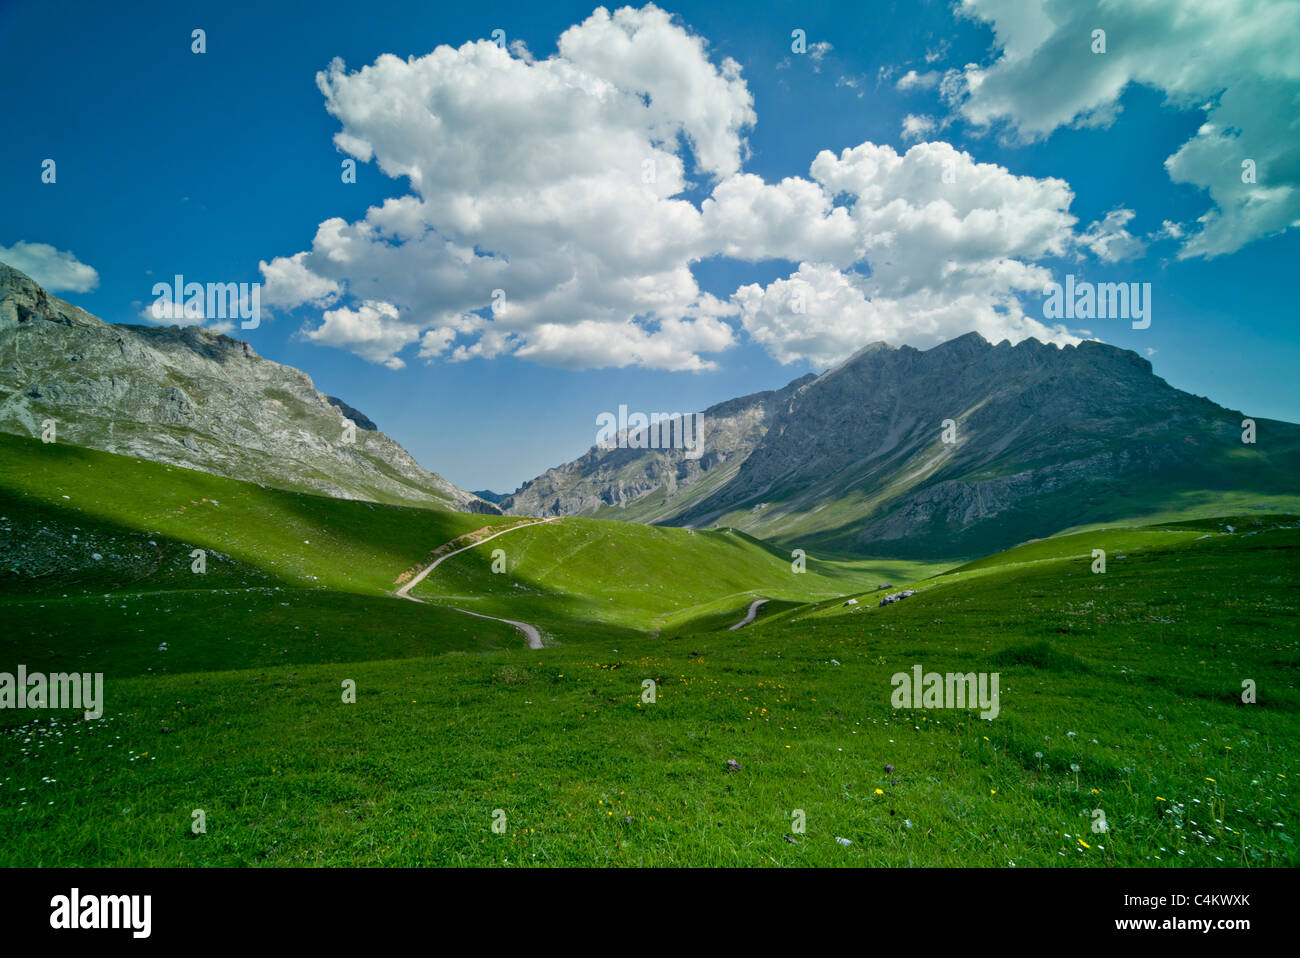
{"x": 855, "y": 461}
{"x": 614, "y": 477}
{"x": 192, "y": 397}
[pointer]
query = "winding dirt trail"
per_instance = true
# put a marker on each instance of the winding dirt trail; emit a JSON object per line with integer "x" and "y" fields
{"x": 751, "y": 614}
{"x": 530, "y": 632}
{"x": 532, "y": 635}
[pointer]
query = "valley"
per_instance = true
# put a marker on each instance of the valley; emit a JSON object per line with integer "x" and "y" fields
{"x": 225, "y": 691}
{"x": 1087, "y": 582}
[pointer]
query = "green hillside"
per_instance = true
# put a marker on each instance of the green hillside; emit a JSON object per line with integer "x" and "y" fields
{"x": 642, "y": 577}
{"x": 87, "y": 528}
{"x": 1119, "y": 692}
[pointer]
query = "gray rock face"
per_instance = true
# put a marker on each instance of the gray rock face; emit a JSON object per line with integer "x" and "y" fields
{"x": 361, "y": 419}
{"x": 650, "y": 485}
{"x": 1043, "y": 438}
{"x": 896, "y": 597}
{"x": 193, "y": 398}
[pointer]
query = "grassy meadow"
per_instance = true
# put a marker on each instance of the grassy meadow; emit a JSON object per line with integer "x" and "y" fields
{"x": 1120, "y": 692}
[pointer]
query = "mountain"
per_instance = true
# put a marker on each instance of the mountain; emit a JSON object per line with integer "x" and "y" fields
{"x": 194, "y": 398}
{"x": 854, "y": 461}
{"x": 654, "y": 485}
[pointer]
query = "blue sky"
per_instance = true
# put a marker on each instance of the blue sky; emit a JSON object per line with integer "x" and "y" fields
{"x": 209, "y": 165}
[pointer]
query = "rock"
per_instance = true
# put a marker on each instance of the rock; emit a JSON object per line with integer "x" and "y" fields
{"x": 889, "y": 769}
{"x": 897, "y": 596}
{"x": 361, "y": 420}
{"x": 194, "y": 398}
{"x": 625, "y": 477}
{"x": 733, "y": 765}
{"x": 866, "y": 436}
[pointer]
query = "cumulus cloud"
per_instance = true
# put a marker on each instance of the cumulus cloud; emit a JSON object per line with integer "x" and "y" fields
{"x": 933, "y": 215}
{"x": 822, "y": 315}
{"x": 917, "y": 127}
{"x": 1233, "y": 60}
{"x": 548, "y": 216}
{"x": 555, "y": 181}
{"x": 375, "y": 330}
{"x": 944, "y": 245}
{"x": 289, "y": 282}
{"x": 1109, "y": 240}
{"x": 57, "y": 270}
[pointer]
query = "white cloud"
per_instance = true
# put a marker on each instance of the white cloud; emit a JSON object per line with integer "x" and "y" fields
{"x": 674, "y": 345}
{"x": 560, "y": 183}
{"x": 748, "y": 218}
{"x": 911, "y": 80}
{"x": 554, "y": 180}
{"x": 1235, "y": 60}
{"x": 823, "y": 315}
{"x": 919, "y": 229}
{"x": 949, "y": 245}
{"x": 917, "y": 127}
{"x": 289, "y": 282}
{"x": 375, "y": 330}
{"x": 1109, "y": 239}
{"x": 436, "y": 342}
{"x": 938, "y": 52}
{"x": 163, "y": 311}
{"x": 1168, "y": 230}
{"x": 56, "y": 270}
{"x": 852, "y": 82}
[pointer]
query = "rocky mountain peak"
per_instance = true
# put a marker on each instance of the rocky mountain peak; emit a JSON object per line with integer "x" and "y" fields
{"x": 195, "y": 398}
{"x": 962, "y": 448}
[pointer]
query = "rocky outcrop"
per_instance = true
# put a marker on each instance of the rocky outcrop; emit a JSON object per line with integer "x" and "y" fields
{"x": 953, "y": 451}
{"x": 654, "y": 484}
{"x": 194, "y": 398}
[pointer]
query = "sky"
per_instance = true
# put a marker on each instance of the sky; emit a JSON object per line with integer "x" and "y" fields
{"x": 558, "y": 208}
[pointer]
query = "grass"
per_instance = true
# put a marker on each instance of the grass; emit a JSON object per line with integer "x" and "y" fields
{"x": 573, "y": 573}
{"x": 1119, "y": 691}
